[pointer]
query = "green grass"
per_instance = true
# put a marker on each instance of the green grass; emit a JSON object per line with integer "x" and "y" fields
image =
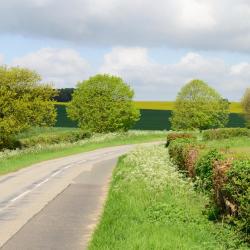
{"x": 234, "y": 142}
{"x": 151, "y": 206}
{"x": 37, "y": 131}
{"x": 28, "y": 157}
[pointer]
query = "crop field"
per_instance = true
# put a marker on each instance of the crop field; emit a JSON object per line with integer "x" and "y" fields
{"x": 151, "y": 118}
{"x": 235, "y": 107}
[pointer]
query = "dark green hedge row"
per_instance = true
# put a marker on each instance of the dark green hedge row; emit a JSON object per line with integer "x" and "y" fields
{"x": 150, "y": 119}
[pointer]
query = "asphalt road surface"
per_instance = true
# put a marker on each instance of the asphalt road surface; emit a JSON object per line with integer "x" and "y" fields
{"x": 55, "y": 204}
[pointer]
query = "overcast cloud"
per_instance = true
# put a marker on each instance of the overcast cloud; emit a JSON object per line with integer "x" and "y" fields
{"x": 150, "y": 79}
{"x": 194, "y": 24}
{"x": 63, "y": 67}
{"x": 67, "y": 41}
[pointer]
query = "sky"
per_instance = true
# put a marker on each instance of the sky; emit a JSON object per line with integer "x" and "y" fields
{"x": 155, "y": 46}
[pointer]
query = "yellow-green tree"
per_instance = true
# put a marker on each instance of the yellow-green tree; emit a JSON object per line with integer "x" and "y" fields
{"x": 199, "y": 106}
{"x": 24, "y": 102}
{"x": 103, "y": 104}
{"x": 246, "y": 105}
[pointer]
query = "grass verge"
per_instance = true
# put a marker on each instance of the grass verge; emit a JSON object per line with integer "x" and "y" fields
{"x": 11, "y": 161}
{"x": 151, "y": 206}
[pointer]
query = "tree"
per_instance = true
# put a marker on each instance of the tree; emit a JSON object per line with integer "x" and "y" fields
{"x": 199, "y": 106}
{"x": 24, "y": 102}
{"x": 103, "y": 104}
{"x": 246, "y": 106}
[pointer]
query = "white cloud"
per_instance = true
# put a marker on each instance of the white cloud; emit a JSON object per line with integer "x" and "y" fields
{"x": 153, "y": 81}
{"x": 64, "y": 67}
{"x": 192, "y": 24}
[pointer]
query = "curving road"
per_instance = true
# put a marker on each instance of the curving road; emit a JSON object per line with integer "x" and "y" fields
{"x": 55, "y": 204}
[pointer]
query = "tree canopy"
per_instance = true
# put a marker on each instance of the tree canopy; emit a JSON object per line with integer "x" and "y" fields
{"x": 24, "y": 102}
{"x": 199, "y": 106}
{"x": 246, "y": 106}
{"x": 103, "y": 104}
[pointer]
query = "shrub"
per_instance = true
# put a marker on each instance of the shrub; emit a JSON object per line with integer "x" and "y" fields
{"x": 71, "y": 136}
{"x": 204, "y": 169}
{"x": 174, "y": 136}
{"x": 225, "y": 133}
{"x": 237, "y": 191}
{"x": 184, "y": 153}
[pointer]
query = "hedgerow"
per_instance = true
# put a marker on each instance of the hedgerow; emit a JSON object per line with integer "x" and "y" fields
{"x": 225, "y": 178}
{"x": 69, "y": 136}
{"x": 174, "y": 136}
{"x": 225, "y": 133}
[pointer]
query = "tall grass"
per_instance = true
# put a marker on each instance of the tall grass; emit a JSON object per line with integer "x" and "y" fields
{"x": 151, "y": 206}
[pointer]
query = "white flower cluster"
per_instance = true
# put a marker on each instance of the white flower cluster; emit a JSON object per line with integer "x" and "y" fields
{"x": 152, "y": 165}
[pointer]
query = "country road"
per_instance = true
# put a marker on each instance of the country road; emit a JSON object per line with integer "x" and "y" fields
{"x": 55, "y": 204}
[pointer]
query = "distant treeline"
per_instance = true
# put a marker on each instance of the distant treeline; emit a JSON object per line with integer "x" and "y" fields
{"x": 64, "y": 95}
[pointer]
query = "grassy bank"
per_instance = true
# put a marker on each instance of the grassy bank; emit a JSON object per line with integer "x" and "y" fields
{"x": 151, "y": 206}
{"x": 14, "y": 160}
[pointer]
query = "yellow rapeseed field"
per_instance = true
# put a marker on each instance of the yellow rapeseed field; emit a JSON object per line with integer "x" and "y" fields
{"x": 235, "y": 107}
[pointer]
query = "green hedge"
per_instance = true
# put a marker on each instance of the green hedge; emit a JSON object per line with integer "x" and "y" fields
{"x": 150, "y": 119}
{"x": 46, "y": 139}
{"x": 225, "y": 179}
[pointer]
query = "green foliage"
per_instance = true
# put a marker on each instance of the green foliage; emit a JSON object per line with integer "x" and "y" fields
{"x": 204, "y": 169}
{"x": 48, "y": 139}
{"x": 225, "y": 133}
{"x": 246, "y": 106}
{"x": 24, "y": 102}
{"x": 184, "y": 153}
{"x": 103, "y": 104}
{"x": 151, "y": 206}
{"x": 199, "y": 106}
{"x": 237, "y": 189}
{"x": 173, "y": 136}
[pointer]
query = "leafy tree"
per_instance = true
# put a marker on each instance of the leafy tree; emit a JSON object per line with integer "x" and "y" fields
{"x": 103, "y": 104}
{"x": 246, "y": 105}
{"x": 24, "y": 102}
{"x": 199, "y": 106}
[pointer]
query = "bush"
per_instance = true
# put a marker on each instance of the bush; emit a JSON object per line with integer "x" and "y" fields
{"x": 237, "y": 191}
{"x": 184, "y": 153}
{"x": 225, "y": 133}
{"x": 204, "y": 169}
{"x": 71, "y": 136}
{"x": 174, "y": 136}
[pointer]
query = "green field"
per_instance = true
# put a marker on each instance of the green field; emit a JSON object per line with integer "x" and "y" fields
{"x": 151, "y": 119}
{"x": 235, "y": 107}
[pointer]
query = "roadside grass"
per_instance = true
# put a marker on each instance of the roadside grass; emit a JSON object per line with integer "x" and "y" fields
{"x": 151, "y": 206}
{"x": 14, "y": 160}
